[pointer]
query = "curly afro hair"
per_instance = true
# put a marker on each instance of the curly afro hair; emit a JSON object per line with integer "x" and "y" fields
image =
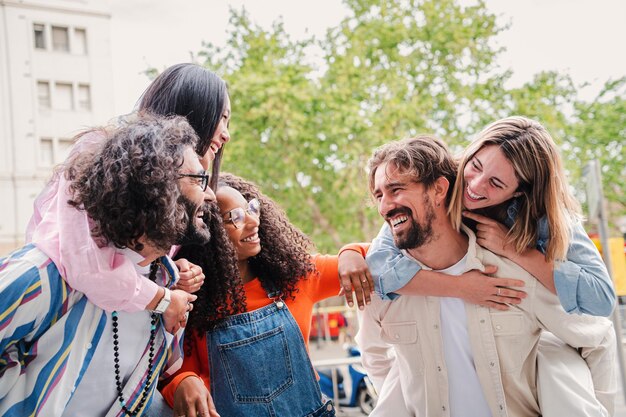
{"x": 283, "y": 261}
{"x": 128, "y": 185}
{"x": 285, "y": 250}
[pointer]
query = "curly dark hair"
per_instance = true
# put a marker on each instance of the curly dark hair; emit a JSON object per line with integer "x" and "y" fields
{"x": 222, "y": 293}
{"x": 283, "y": 261}
{"x": 129, "y": 185}
{"x": 285, "y": 250}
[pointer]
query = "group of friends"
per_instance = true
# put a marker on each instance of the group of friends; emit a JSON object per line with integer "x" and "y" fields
{"x": 152, "y": 284}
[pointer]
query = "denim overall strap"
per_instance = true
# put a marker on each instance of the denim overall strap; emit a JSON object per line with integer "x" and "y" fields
{"x": 260, "y": 367}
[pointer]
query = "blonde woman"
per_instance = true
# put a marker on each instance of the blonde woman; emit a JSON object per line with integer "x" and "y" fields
{"x": 511, "y": 189}
{"x": 515, "y": 195}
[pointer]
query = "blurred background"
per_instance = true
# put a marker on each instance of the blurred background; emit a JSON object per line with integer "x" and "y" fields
{"x": 315, "y": 86}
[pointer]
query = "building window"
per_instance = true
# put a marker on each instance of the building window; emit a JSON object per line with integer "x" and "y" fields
{"x": 46, "y": 151}
{"x": 84, "y": 97}
{"x": 64, "y": 146}
{"x": 43, "y": 94}
{"x": 60, "y": 39}
{"x": 54, "y": 151}
{"x": 80, "y": 41}
{"x": 63, "y": 96}
{"x": 40, "y": 36}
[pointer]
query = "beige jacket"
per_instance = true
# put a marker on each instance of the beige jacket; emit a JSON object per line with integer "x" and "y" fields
{"x": 403, "y": 335}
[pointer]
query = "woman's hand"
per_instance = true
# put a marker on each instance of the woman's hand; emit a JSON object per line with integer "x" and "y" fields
{"x": 491, "y": 235}
{"x": 177, "y": 312}
{"x": 355, "y": 275}
{"x": 479, "y": 288}
{"x": 191, "y": 276}
{"x": 193, "y": 399}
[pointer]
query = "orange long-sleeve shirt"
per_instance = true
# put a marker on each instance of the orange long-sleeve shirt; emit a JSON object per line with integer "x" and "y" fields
{"x": 311, "y": 290}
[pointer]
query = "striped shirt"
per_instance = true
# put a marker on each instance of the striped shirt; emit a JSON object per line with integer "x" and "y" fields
{"x": 48, "y": 334}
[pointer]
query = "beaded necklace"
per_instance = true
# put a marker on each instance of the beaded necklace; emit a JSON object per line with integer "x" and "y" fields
{"x": 154, "y": 267}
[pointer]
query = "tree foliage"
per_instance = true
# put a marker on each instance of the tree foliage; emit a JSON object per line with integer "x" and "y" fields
{"x": 600, "y": 133}
{"x": 303, "y": 129}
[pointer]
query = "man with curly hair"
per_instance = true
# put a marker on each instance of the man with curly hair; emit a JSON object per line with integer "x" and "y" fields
{"x": 143, "y": 190}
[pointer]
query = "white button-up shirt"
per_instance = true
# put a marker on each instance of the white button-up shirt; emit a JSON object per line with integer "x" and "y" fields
{"x": 401, "y": 344}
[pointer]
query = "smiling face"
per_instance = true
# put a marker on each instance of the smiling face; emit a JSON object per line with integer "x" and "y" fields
{"x": 245, "y": 238}
{"x": 195, "y": 199}
{"x": 405, "y": 205}
{"x": 220, "y": 137}
{"x": 489, "y": 179}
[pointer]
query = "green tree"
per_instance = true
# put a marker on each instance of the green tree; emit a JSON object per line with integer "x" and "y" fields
{"x": 391, "y": 70}
{"x": 303, "y": 130}
{"x": 600, "y": 133}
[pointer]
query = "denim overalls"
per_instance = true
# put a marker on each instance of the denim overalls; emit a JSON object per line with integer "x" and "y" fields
{"x": 260, "y": 366}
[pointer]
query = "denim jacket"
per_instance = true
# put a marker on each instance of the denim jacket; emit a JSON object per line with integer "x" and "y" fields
{"x": 582, "y": 281}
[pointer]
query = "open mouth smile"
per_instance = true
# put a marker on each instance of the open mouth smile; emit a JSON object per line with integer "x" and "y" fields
{"x": 251, "y": 239}
{"x": 397, "y": 221}
{"x": 473, "y": 196}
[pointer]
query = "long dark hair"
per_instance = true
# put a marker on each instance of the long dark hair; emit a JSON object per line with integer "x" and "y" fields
{"x": 192, "y": 91}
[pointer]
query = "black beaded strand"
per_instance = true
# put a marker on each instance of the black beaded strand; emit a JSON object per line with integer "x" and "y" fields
{"x": 116, "y": 356}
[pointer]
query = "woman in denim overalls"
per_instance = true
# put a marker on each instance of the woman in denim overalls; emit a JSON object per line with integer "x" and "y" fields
{"x": 251, "y": 351}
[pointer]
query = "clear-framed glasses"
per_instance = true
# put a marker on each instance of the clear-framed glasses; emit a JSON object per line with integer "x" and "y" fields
{"x": 203, "y": 179}
{"x": 237, "y": 216}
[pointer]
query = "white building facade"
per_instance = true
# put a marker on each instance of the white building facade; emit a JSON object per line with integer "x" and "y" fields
{"x": 55, "y": 81}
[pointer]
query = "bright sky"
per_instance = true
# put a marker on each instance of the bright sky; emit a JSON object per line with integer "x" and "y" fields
{"x": 584, "y": 38}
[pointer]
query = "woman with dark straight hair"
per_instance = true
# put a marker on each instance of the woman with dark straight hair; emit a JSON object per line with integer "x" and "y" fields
{"x": 201, "y": 96}
{"x": 63, "y": 233}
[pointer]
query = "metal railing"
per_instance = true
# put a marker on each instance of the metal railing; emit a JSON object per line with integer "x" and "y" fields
{"x": 334, "y": 364}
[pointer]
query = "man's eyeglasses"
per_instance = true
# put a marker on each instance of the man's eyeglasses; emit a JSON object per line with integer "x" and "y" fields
{"x": 204, "y": 179}
{"x": 237, "y": 216}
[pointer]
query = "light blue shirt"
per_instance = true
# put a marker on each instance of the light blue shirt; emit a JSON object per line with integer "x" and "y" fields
{"x": 582, "y": 281}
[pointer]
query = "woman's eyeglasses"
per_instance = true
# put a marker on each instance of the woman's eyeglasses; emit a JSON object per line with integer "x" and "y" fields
{"x": 237, "y": 216}
{"x": 204, "y": 179}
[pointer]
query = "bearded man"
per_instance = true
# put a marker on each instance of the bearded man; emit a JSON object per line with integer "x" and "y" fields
{"x": 441, "y": 356}
{"x": 143, "y": 190}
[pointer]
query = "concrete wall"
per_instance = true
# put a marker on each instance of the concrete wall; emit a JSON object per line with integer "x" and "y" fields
{"x": 23, "y": 121}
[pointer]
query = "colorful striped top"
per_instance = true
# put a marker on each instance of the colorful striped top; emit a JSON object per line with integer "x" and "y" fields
{"x": 48, "y": 334}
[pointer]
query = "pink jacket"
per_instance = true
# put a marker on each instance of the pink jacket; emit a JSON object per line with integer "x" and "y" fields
{"x": 62, "y": 232}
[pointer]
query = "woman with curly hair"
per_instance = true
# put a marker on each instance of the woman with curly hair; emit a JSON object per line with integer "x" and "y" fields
{"x": 63, "y": 233}
{"x": 252, "y": 352}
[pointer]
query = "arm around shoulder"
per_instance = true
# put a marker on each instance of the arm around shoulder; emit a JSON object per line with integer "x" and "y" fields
{"x": 390, "y": 269}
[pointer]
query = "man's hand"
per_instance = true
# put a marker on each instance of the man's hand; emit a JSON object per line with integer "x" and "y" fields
{"x": 193, "y": 399}
{"x": 177, "y": 312}
{"x": 479, "y": 288}
{"x": 355, "y": 275}
{"x": 191, "y": 276}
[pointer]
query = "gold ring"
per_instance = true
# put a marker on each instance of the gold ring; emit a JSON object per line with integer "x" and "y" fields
{"x": 498, "y": 292}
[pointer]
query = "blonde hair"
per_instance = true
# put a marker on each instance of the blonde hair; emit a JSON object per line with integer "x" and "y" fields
{"x": 542, "y": 183}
